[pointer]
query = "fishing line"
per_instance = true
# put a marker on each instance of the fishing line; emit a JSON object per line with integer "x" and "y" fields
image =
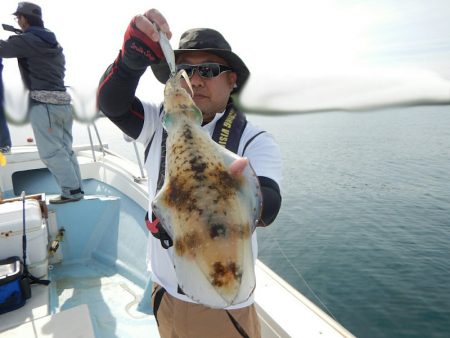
{"x": 304, "y": 280}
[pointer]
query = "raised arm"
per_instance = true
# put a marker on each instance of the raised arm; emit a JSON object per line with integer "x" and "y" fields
{"x": 116, "y": 92}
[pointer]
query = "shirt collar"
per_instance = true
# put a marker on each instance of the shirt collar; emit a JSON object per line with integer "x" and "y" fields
{"x": 212, "y": 124}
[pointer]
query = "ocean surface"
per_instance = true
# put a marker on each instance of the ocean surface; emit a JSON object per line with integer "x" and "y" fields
{"x": 364, "y": 229}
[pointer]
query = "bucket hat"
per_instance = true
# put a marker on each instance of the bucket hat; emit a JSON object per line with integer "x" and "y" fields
{"x": 210, "y": 41}
{"x": 28, "y": 8}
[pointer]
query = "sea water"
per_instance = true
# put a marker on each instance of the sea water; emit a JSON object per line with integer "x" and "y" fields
{"x": 364, "y": 229}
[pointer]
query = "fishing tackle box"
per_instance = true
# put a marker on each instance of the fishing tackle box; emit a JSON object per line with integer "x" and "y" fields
{"x": 11, "y": 232}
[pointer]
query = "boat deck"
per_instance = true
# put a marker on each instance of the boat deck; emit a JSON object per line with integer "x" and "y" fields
{"x": 112, "y": 299}
{"x": 111, "y": 304}
{"x": 96, "y": 275}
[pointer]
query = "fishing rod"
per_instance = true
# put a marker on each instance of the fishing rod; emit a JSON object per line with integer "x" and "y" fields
{"x": 10, "y": 28}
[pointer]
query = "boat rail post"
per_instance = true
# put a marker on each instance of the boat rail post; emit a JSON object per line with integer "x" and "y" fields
{"x": 141, "y": 167}
{"x": 90, "y": 141}
{"x": 99, "y": 139}
{"x": 136, "y": 151}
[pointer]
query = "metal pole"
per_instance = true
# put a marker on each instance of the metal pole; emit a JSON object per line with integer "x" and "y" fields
{"x": 139, "y": 160}
{"x": 99, "y": 140}
{"x": 90, "y": 140}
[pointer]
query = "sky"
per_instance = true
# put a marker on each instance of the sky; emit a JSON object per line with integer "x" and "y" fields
{"x": 299, "y": 52}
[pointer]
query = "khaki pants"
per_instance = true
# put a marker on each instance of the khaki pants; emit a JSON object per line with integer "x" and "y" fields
{"x": 178, "y": 319}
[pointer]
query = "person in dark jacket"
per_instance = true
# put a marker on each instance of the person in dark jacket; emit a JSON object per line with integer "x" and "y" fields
{"x": 42, "y": 67}
{"x": 5, "y": 138}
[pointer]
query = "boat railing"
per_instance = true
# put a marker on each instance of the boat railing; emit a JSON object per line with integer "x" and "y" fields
{"x": 92, "y": 124}
{"x": 86, "y": 109}
{"x": 102, "y": 148}
{"x": 138, "y": 159}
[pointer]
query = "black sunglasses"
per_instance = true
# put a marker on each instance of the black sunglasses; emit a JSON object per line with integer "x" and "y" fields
{"x": 207, "y": 70}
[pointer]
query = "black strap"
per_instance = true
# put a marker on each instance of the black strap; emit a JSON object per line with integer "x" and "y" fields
{"x": 162, "y": 163}
{"x": 158, "y": 298}
{"x": 164, "y": 238}
{"x": 250, "y": 141}
{"x": 24, "y": 235}
{"x": 180, "y": 290}
{"x": 228, "y": 130}
{"x": 238, "y": 327}
{"x": 35, "y": 280}
{"x": 147, "y": 149}
{"x": 76, "y": 191}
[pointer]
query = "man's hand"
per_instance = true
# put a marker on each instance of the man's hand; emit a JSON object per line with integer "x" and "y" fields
{"x": 141, "y": 41}
{"x": 238, "y": 166}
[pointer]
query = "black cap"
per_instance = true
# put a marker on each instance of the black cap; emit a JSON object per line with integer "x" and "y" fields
{"x": 28, "y": 8}
{"x": 210, "y": 41}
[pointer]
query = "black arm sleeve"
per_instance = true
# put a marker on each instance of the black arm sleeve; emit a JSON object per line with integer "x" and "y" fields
{"x": 271, "y": 200}
{"x": 116, "y": 98}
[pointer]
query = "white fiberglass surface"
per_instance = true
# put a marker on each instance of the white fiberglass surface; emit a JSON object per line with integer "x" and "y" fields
{"x": 111, "y": 298}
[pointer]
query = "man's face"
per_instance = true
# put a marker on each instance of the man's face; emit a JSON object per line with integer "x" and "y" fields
{"x": 21, "y": 21}
{"x": 211, "y": 95}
